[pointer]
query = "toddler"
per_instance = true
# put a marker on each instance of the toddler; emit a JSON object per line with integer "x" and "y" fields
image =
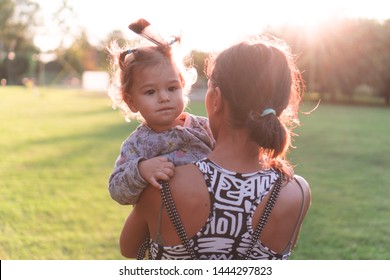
{"x": 151, "y": 83}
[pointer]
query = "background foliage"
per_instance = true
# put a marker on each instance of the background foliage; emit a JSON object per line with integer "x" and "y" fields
{"x": 343, "y": 60}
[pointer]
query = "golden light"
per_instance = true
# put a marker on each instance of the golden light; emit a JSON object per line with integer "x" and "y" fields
{"x": 211, "y": 25}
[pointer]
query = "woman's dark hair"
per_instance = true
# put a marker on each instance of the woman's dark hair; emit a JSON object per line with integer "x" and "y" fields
{"x": 255, "y": 77}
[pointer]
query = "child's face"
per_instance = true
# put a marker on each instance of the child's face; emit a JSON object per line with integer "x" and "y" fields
{"x": 157, "y": 94}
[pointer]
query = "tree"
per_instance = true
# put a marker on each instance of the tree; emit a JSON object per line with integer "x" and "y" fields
{"x": 16, "y": 41}
{"x": 101, "y": 49}
{"x": 342, "y": 55}
{"x": 7, "y": 9}
{"x": 383, "y": 50}
{"x": 199, "y": 63}
{"x": 70, "y": 50}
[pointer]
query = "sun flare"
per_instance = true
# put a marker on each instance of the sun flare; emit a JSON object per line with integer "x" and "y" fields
{"x": 211, "y": 25}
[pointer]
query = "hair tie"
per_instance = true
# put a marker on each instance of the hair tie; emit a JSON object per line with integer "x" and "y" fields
{"x": 129, "y": 51}
{"x": 267, "y": 112}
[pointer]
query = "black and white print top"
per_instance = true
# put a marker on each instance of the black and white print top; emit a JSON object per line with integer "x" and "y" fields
{"x": 227, "y": 232}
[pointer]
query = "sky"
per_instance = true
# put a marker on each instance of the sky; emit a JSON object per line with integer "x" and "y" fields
{"x": 205, "y": 25}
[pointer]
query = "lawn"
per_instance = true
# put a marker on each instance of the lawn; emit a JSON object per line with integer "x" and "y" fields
{"x": 57, "y": 150}
{"x": 58, "y": 147}
{"x": 344, "y": 153}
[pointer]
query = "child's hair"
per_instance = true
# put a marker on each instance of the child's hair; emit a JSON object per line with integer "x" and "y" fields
{"x": 259, "y": 80}
{"x": 125, "y": 63}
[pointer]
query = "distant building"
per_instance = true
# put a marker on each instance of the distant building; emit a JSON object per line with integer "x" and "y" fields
{"x": 95, "y": 80}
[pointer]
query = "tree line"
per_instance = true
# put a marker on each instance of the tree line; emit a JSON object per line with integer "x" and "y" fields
{"x": 340, "y": 59}
{"x": 343, "y": 58}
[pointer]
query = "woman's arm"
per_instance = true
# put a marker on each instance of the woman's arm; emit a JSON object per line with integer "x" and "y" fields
{"x": 138, "y": 224}
{"x": 305, "y": 204}
{"x": 134, "y": 233}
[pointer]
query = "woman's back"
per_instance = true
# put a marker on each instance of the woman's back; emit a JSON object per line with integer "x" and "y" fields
{"x": 217, "y": 207}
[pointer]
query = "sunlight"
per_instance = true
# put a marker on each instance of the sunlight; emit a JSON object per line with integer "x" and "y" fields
{"x": 310, "y": 16}
{"x": 211, "y": 25}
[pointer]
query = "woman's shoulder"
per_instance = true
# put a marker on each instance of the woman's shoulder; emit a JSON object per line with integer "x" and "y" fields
{"x": 302, "y": 184}
{"x": 189, "y": 185}
{"x": 184, "y": 184}
{"x": 296, "y": 192}
{"x": 187, "y": 174}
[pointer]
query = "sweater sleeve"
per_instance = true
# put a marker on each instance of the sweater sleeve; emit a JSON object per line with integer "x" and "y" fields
{"x": 125, "y": 182}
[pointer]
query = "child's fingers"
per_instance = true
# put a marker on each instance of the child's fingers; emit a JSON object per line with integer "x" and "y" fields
{"x": 155, "y": 183}
{"x": 169, "y": 172}
{"x": 162, "y": 159}
{"x": 162, "y": 176}
{"x": 166, "y": 163}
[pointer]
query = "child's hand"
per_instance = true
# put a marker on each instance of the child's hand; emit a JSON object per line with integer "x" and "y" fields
{"x": 154, "y": 169}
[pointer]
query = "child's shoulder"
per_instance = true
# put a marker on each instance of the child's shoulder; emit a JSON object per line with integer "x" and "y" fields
{"x": 138, "y": 132}
{"x": 195, "y": 119}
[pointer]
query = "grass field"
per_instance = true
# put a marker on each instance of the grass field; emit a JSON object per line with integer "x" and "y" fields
{"x": 58, "y": 147}
{"x": 344, "y": 153}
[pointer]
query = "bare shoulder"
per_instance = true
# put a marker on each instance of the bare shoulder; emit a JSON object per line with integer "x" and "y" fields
{"x": 186, "y": 175}
{"x": 185, "y": 182}
{"x": 303, "y": 184}
{"x": 189, "y": 188}
{"x": 297, "y": 191}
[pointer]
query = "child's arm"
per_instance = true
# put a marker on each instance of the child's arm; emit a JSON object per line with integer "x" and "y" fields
{"x": 132, "y": 173}
{"x": 125, "y": 183}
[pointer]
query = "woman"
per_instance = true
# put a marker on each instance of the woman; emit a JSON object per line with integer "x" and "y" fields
{"x": 251, "y": 101}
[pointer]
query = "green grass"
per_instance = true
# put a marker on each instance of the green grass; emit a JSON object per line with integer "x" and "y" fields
{"x": 344, "y": 153}
{"x": 58, "y": 147}
{"x": 57, "y": 150}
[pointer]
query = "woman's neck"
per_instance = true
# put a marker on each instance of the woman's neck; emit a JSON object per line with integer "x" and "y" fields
{"x": 236, "y": 151}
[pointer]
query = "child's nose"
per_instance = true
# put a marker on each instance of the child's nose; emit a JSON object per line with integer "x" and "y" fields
{"x": 164, "y": 96}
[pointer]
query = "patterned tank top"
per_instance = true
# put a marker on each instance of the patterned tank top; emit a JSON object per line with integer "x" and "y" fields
{"x": 228, "y": 230}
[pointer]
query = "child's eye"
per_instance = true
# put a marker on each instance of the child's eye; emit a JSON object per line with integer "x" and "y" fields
{"x": 173, "y": 88}
{"x": 150, "y": 92}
